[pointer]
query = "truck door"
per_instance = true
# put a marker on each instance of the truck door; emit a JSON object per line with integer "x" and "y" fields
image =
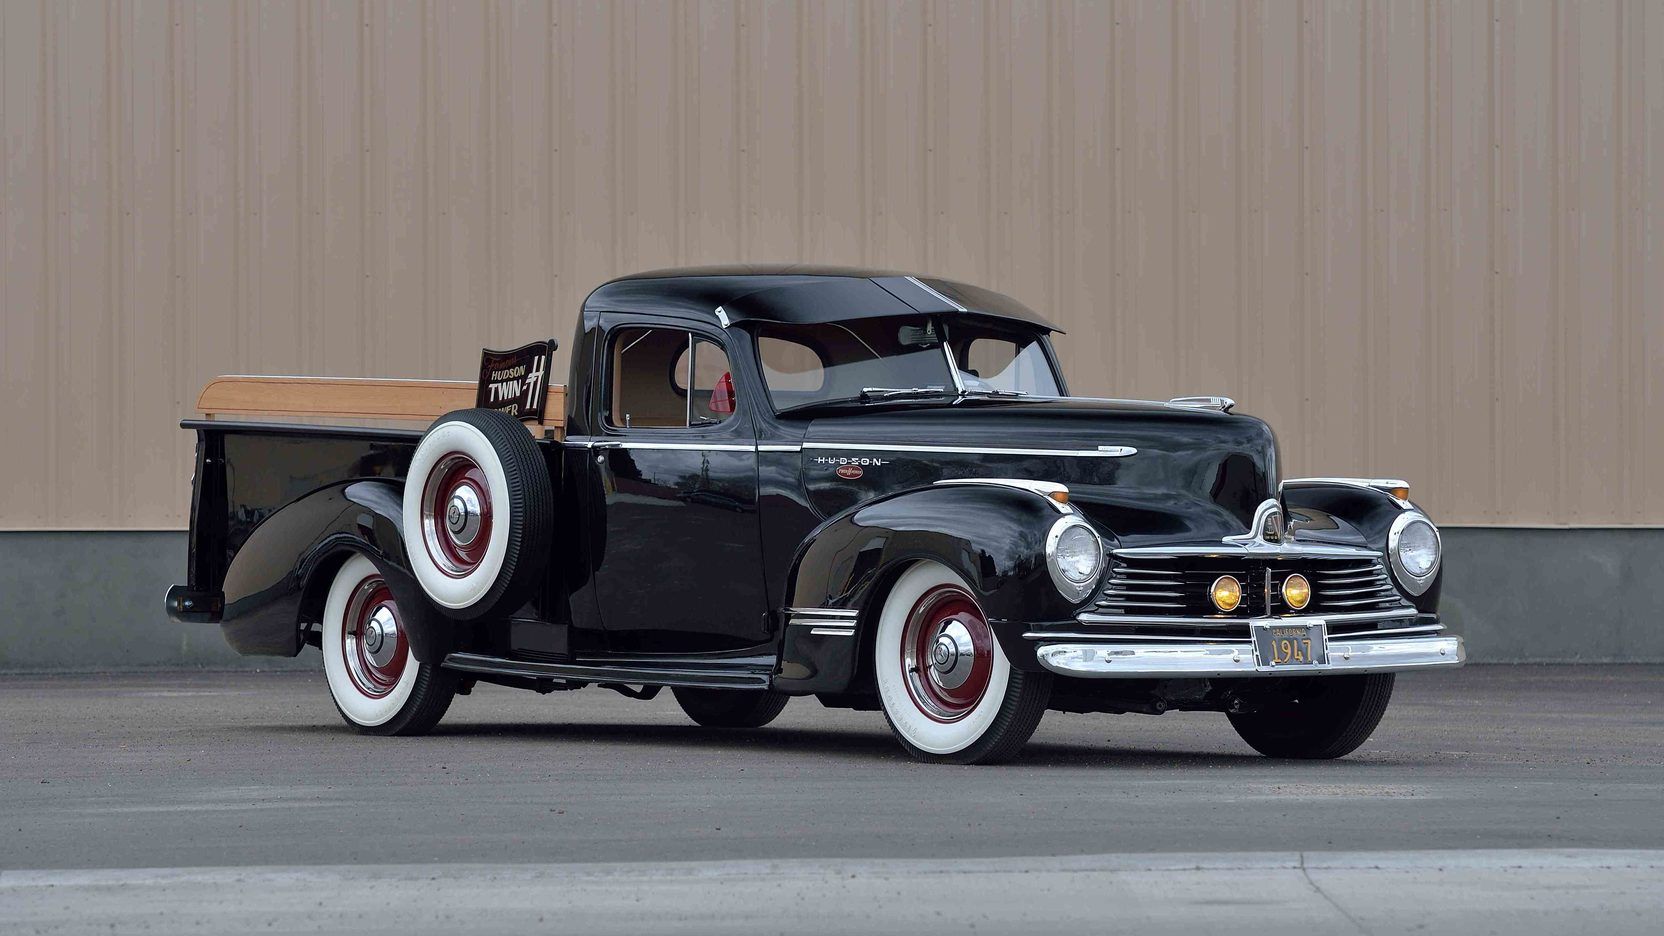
{"x": 679, "y": 568}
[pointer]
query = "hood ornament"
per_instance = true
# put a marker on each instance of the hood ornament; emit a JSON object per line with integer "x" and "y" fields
{"x": 1269, "y": 527}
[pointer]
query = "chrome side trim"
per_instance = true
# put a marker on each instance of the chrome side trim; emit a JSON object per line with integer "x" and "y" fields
{"x": 1145, "y": 619}
{"x": 1348, "y": 653}
{"x": 823, "y": 622}
{"x": 1043, "y": 488}
{"x": 1102, "y": 451}
{"x": 950, "y": 303}
{"x": 671, "y": 446}
{"x": 1221, "y": 403}
{"x": 794, "y": 447}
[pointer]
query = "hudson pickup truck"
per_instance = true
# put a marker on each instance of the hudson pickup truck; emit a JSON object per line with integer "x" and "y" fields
{"x": 758, "y": 483}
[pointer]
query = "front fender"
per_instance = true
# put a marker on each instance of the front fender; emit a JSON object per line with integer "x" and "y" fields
{"x": 1351, "y": 514}
{"x": 277, "y": 582}
{"x": 993, "y": 537}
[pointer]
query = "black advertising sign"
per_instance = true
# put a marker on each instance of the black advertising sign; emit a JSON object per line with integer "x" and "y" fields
{"x": 516, "y": 382}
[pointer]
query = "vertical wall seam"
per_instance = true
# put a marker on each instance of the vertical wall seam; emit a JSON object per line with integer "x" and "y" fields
{"x": 1495, "y": 234}
{"x": 110, "y": 448}
{"x": 433, "y": 340}
{"x": 366, "y": 324}
{"x": 1433, "y": 264}
{"x": 1557, "y": 227}
{"x": 304, "y": 274}
{"x": 1307, "y": 217}
{"x": 1175, "y": 170}
{"x": 179, "y": 311}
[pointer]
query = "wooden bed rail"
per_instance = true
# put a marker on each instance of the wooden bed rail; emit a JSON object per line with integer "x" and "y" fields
{"x": 352, "y": 398}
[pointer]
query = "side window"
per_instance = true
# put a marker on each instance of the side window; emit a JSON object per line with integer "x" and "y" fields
{"x": 665, "y": 378}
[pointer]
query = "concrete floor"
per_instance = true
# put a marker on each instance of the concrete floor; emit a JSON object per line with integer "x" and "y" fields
{"x": 1498, "y": 798}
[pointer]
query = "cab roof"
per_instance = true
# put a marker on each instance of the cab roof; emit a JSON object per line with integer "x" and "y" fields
{"x": 799, "y": 295}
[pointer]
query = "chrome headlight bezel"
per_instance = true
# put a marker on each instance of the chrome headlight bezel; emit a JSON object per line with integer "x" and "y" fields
{"x": 1407, "y": 580}
{"x": 1066, "y": 586}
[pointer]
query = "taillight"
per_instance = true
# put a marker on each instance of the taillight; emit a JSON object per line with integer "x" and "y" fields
{"x": 722, "y": 395}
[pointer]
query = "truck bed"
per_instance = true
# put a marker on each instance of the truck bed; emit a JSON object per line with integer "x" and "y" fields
{"x": 354, "y": 398}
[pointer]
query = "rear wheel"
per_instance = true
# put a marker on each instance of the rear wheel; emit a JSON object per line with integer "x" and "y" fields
{"x": 731, "y": 708}
{"x": 947, "y": 689}
{"x": 378, "y": 685}
{"x": 1320, "y": 717}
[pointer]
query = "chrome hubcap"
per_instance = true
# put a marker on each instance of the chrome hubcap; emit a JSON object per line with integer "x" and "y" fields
{"x": 947, "y": 654}
{"x": 952, "y": 655}
{"x": 462, "y": 516}
{"x": 381, "y": 635}
{"x": 373, "y": 646}
{"x": 456, "y": 515}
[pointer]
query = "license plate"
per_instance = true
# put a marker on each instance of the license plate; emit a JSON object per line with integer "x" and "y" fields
{"x": 1286, "y": 646}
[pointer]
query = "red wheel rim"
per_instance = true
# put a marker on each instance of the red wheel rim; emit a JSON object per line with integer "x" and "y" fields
{"x": 456, "y": 515}
{"x": 947, "y": 654}
{"x": 373, "y": 642}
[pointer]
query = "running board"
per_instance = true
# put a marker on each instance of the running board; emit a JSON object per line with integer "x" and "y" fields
{"x": 715, "y": 677}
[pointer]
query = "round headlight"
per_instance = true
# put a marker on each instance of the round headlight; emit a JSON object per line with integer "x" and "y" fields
{"x": 1074, "y": 556}
{"x": 1414, "y": 547}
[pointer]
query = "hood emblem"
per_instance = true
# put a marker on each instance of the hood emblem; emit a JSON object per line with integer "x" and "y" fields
{"x": 850, "y": 472}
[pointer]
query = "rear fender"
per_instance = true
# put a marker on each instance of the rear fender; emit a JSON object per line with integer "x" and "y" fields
{"x": 993, "y": 537}
{"x": 276, "y": 585}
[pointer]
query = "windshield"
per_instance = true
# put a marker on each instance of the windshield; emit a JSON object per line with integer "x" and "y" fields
{"x": 868, "y": 360}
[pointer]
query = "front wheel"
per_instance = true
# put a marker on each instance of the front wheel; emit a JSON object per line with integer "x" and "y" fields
{"x": 1318, "y": 718}
{"x": 378, "y": 685}
{"x": 947, "y": 689}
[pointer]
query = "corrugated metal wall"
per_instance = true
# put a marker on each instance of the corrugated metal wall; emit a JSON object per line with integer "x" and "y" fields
{"x": 1423, "y": 238}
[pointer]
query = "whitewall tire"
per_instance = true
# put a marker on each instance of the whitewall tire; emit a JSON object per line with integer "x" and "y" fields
{"x": 947, "y": 689}
{"x": 378, "y": 685}
{"x": 477, "y": 506}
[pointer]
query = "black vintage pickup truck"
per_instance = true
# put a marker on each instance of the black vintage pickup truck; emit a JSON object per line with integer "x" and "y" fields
{"x": 759, "y": 483}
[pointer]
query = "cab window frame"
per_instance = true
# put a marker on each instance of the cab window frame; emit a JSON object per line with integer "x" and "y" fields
{"x": 631, "y": 328}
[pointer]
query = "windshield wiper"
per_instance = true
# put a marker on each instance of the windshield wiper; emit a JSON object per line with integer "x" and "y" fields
{"x": 869, "y": 394}
{"x": 993, "y": 392}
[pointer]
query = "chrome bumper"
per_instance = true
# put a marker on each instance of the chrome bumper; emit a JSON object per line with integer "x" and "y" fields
{"x": 1352, "y": 653}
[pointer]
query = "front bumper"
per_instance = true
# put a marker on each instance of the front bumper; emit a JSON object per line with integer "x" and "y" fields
{"x": 1350, "y": 653}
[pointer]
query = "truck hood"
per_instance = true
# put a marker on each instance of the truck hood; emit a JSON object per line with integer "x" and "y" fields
{"x": 1195, "y": 475}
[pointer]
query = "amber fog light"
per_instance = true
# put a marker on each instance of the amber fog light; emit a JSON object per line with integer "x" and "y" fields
{"x": 1227, "y": 593}
{"x": 1297, "y": 591}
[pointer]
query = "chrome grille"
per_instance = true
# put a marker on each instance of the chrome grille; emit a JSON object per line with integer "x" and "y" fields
{"x": 1345, "y": 587}
{"x": 1180, "y": 586}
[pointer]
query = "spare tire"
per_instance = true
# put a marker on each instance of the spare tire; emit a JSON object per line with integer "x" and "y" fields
{"x": 478, "y": 513}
